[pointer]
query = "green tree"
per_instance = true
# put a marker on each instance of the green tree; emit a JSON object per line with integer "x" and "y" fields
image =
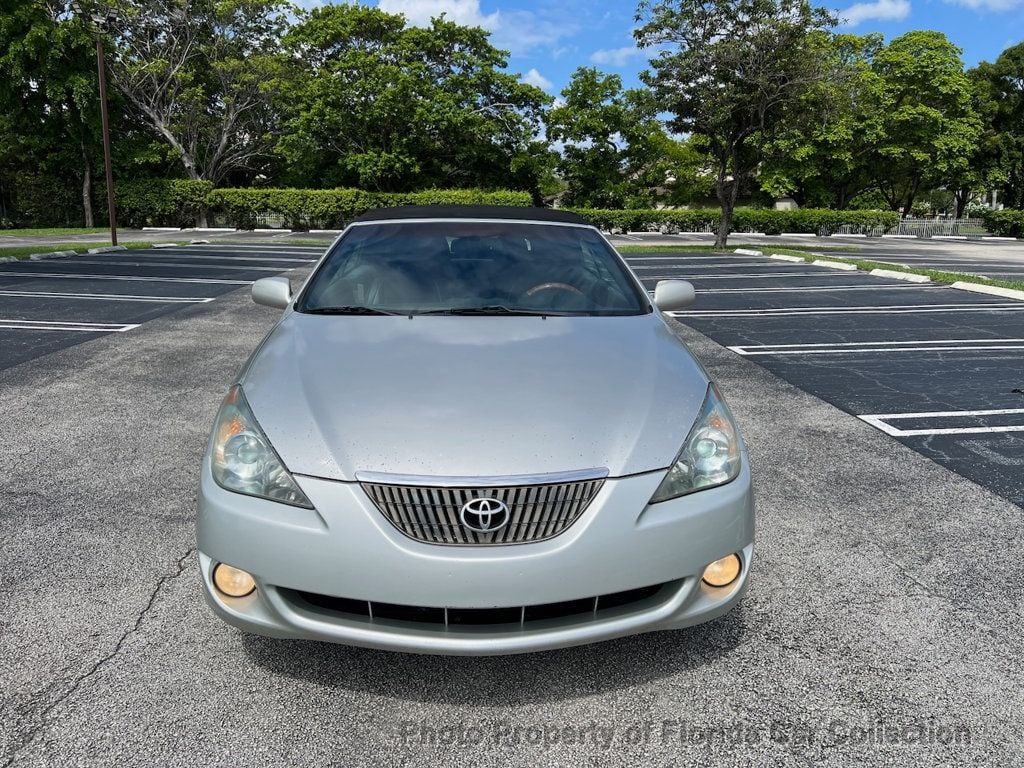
{"x": 616, "y": 152}
{"x": 385, "y": 106}
{"x": 205, "y": 76}
{"x": 733, "y": 72}
{"x": 1004, "y": 82}
{"x": 49, "y": 94}
{"x": 983, "y": 170}
{"x": 820, "y": 157}
{"x": 924, "y": 128}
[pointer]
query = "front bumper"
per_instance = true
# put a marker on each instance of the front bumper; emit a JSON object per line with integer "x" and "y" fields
{"x": 345, "y": 548}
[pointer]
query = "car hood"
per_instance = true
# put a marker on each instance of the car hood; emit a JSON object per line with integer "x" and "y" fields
{"x": 473, "y": 396}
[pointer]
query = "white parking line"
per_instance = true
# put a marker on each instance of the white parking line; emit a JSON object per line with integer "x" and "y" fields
{"x": 59, "y": 325}
{"x": 131, "y": 278}
{"x": 668, "y": 257}
{"x": 896, "y": 309}
{"x": 709, "y": 266}
{"x": 109, "y": 297}
{"x": 192, "y": 255}
{"x": 850, "y": 347}
{"x": 878, "y": 420}
{"x": 269, "y": 248}
{"x": 750, "y": 276}
{"x": 829, "y": 288}
{"x": 177, "y": 265}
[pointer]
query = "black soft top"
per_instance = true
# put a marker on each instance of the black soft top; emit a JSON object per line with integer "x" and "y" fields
{"x": 511, "y": 212}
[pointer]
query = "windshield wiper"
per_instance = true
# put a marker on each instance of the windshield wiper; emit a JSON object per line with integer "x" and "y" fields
{"x": 350, "y": 310}
{"x": 494, "y": 309}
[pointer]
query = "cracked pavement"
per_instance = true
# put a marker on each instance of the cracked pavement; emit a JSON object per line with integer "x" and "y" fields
{"x": 879, "y": 600}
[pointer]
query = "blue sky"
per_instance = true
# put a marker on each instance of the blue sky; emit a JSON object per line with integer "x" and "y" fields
{"x": 548, "y": 40}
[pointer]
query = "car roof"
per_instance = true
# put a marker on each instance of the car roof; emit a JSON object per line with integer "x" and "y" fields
{"x": 510, "y": 212}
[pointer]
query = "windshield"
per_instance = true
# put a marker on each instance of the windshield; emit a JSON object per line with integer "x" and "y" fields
{"x": 467, "y": 267}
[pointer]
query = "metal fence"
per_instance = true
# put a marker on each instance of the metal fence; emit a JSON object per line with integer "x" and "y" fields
{"x": 925, "y": 228}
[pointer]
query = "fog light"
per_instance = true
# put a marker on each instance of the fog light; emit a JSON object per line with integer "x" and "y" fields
{"x": 722, "y": 573}
{"x": 233, "y": 582}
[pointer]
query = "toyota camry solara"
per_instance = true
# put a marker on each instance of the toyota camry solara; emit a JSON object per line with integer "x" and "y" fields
{"x": 472, "y": 432}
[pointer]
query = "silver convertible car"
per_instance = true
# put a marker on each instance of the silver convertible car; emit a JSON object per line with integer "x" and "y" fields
{"x": 472, "y": 432}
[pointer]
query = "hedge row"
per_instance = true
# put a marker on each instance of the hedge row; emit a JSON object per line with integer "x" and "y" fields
{"x": 1005, "y": 223}
{"x": 182, "y": 203}
{"x": 815, "y": 221}
{"x": 166, "y": 202}
{"x": 331, "y": 208}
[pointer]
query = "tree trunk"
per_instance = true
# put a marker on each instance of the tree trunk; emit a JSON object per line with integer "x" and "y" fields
{"x": 86, "y": 189}
{"x": 728, "y": 189}
{"x": 908, "y": 204}
{"x": 961, "y": 196}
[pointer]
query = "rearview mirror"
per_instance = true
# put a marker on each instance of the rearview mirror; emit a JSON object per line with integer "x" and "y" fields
{"x": 272, "y": 292}
{"x": 669, "y": 295}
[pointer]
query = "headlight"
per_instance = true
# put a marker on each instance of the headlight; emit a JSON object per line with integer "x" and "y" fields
{"x": 243, "y": 459}
{"x": 709, "y": 457}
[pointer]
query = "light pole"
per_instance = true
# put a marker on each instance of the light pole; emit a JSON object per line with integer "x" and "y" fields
{"x": 102, "y": 22}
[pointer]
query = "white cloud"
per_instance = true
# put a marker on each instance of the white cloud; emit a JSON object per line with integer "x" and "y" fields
{"x": 616, "y": 57}
{"x": 535, "y": 78}
{"x": 880, "y": 10}
{"x": 420, "y": 12}
{"x": 988, "y": 5}
{"x": 516, "y": 31}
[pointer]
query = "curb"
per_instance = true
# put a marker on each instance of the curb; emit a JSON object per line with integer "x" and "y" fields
{"x": 199, "y": 242}
{"x": 51, "y": 255}
{"x": 835, "y": 265}
{"x": 107, "y": 249}
{"x": 8, "y": 259}
{"x": 784, "y": 257}
{"x": 908, "y": 276}
{"x": 161, "y": 229}
{"x": 747, "y": 252}
{"x": 275, "y": 231}
{"x": 163, "y": 245}
{"x": 325, "y": 231}
{"x": 993, "y": 290}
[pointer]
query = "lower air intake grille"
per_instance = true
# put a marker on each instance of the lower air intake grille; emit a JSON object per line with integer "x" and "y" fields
{"x": 502, "y": 515}
{"x": 584, "y": 609}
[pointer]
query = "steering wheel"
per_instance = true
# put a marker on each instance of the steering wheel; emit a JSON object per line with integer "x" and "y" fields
{"x": 553, "y": 287}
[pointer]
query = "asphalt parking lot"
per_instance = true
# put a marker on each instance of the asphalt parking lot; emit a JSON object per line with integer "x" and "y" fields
{"x": 992, "y": 257}
{"x": 882, "y": 626}
{"x": 938, "y": 369}
{"x": 53, "y": 304}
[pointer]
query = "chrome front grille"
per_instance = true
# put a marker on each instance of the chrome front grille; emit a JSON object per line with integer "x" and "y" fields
{"x": 433, "y": 513}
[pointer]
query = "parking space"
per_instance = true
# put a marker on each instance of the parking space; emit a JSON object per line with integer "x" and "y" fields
{"x": 49, "y": 305}
{"x": 936, "y": 368}
{"x": 989, "y": 257}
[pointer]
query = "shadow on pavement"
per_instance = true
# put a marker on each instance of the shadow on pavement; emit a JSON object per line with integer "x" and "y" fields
{"x": 503, "y": 680}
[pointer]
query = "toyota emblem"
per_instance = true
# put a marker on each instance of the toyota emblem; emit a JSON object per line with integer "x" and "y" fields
{"x": 485, "y": 515}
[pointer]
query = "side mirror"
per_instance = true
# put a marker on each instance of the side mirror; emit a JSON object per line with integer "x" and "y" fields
{"x": 272, "y": 292}
{"x": 669, "y": 295}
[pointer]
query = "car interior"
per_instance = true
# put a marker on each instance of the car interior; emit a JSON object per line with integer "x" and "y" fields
{"x": 418, "y": 271}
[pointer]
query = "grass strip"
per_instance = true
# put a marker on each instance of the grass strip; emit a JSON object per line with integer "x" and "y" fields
{"x": 936, "y": 275}
{"x": 795, "y": 250}
{"x": 51, "y": 232}
{"x": 24, "y": 251}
